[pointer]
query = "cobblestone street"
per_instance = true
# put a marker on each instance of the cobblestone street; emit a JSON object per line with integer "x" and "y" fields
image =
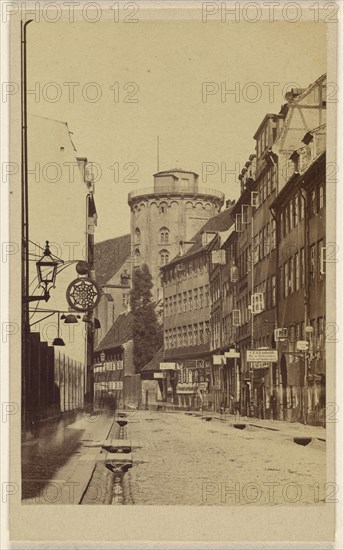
{"x": 183, "y": 459}
{"x": 180, "y": 458}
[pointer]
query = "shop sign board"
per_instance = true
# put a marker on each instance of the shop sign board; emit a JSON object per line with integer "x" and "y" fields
{"x": 232, "y": 354}
{"x": 168, "y": 366}
{"x": 262, "y": 355}
{"x": 302, "y": 345}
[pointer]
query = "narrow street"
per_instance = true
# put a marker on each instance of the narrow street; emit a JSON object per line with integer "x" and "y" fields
{"x": 179, "y": 458}
{"x": 183, "y": 459}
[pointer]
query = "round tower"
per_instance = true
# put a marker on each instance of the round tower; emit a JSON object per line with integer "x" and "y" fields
{"x": 163, "y": 216}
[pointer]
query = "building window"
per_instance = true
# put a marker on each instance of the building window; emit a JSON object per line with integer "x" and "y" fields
{"x": 179, "y": 336}
{"x": 321, "y": 196}
{"x": 291, "y": 275}
{"x": 201, "y": 333}
{"x": 201, "y": 297}
{"x": 195, "y": 329}
{"x": 166, "y": 339}
{"x": 206, "y": 295}
{"x": 268, "y": 182}
{"x": 190, "y": 335}
{"x": 174, "y": 304}
{"x": 190, "y": 299}
{"x": 297, "y": 271}
{"x": 174, "y": 337}
{"x": 301, "y": 207}
{"x": 164, "y": 257}
{"x": 184, "y": 301}
{"x": 185, "y": 336}
{"x": 273, "y": 291}
{"x": 320, "y": 275}
{"x": 273, "y": 234}
{"x": 313, "y": 204}
{"x": 179, "y": 303}
{"x": 313, "y": 263}
{"x": 207, "y": 331}
{"x": 196, "y": 298}
{"x": 164, "y": 235}
{"x": 286, "y": 282}
{"x": 302, "y": 267}
{"x": 273, "y": 178}
{"x": 137, "y": 236}
{"x": 296, "y": 210}
{"x": 291, "y": 215}
{"x": 163, "y": 208}
{"x": 125, "y": 299}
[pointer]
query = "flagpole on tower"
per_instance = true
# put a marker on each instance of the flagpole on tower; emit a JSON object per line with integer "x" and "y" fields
{"x": 157, "y": 153}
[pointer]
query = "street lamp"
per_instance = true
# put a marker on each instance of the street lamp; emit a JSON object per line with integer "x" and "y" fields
{"x": 46, "y": 273}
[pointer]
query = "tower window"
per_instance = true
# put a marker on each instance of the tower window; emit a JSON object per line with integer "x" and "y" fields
{"x": 163, "y": 208}
{"x": 164, "y": 235}
{"x": 137, "y": 236}
{"x": 164, "y": 257}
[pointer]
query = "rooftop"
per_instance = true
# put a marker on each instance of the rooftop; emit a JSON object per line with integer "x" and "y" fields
{"x": 120, "y": 333}
{"x": 219, "y": 223}
{"x": 109, "y": 256}
{"x": 173, "y": 190}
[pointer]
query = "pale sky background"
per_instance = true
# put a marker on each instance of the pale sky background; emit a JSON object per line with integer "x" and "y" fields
{"x": 169, "y": 62}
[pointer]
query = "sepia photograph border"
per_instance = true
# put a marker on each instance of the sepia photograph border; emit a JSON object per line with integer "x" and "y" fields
{"x": 298, "y": 526}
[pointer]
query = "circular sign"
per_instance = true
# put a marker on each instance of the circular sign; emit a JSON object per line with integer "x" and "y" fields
{"x": 83, "y": 294}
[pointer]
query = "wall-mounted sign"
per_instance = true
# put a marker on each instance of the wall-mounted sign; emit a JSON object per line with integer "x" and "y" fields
{"x": 158, "y": 375}
{"x": 190, "y": 364}
{"x": 168, "y": 366}
{"x": 302, "y": 345}
{"x": 262, "y": 355}
{"x": 232, "y": 354}
{"x": 118, "y": 385}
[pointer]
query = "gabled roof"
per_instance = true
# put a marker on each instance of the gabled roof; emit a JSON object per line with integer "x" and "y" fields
{"x": 120, "y": 333}
{"x": 109, "y": 256}
{"x": 221, "y": 222}
{"x": 154, "y": 363}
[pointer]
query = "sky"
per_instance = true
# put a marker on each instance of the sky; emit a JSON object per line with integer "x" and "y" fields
{"x": 169, "y": 65}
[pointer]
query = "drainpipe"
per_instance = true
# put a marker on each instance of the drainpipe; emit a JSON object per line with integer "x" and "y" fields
{"x": 25, "y": 366}
{"x": 277, "y": 285}
{"x": 306, "y": 292}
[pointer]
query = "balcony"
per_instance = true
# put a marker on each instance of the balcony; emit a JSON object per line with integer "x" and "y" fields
{"x": 172, "y": 190}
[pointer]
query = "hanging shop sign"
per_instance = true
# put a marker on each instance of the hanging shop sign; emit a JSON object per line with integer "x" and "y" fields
{"x": 83, "y": 294}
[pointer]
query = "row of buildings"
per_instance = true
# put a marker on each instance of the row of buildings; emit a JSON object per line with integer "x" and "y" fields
{"x": 253, "y": 278}
{"x": 241, "y": 291}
